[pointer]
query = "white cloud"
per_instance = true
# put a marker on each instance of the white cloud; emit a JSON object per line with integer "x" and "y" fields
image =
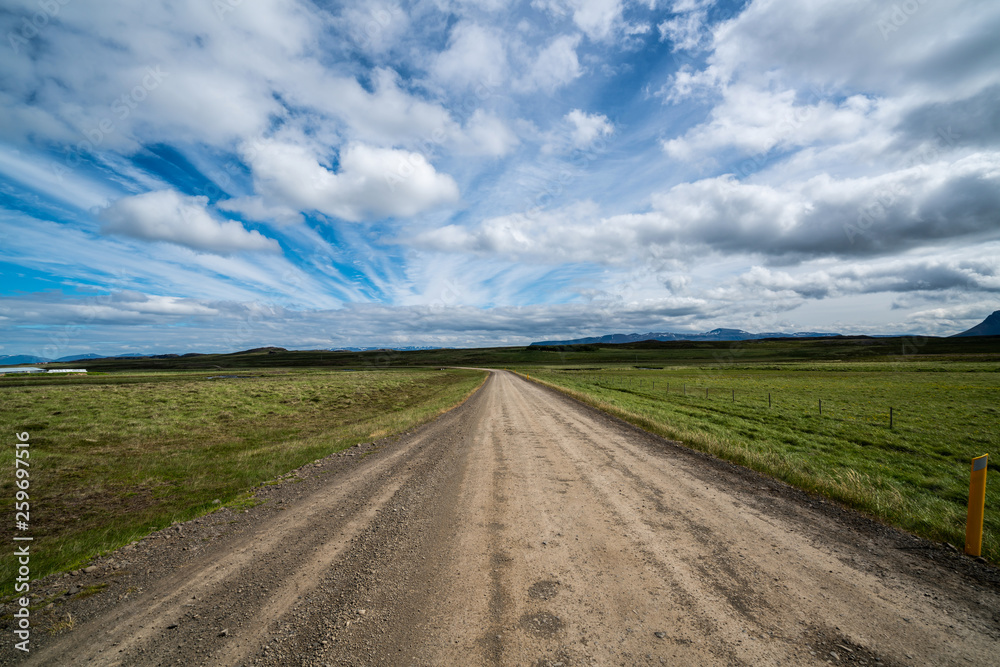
{"x": 213, "y": 77}
{"x": 374, "y": 28}
{"x": 925, "y": 274}
{"x": 257, "y": 208}
{"x": 370, "y": 183}
{"x": 555, "y": 66}
{"x": 752, "y": 120}
{"x": 804, "y": 44}
{"x": 485, "y": 134}
{"x": 169, "y": 216}
{"x": 920, "y": 206}
{"x": 687, "y": 30}
{"x": 598, "y": 19}
{"x": 587, "y": 128}
{"x": 475, "y": 56}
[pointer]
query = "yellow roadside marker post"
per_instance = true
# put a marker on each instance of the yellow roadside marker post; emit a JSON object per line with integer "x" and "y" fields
{"x": 977, "y": 506}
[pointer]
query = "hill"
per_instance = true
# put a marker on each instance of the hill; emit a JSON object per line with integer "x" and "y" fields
{"x": 988, "y": 327}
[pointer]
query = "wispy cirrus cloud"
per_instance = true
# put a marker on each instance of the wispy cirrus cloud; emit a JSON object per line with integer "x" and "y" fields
{"x": 578, "y": 166}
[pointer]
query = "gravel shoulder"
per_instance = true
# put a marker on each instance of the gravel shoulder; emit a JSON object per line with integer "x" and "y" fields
{"x": 525, "y": 528}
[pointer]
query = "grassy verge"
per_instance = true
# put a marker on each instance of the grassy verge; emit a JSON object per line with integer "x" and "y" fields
{"x": 914, "y": 475}
{"x": 119, "y": 456}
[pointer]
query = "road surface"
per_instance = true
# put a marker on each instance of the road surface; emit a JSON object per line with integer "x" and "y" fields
{"x": 523, "y": 528}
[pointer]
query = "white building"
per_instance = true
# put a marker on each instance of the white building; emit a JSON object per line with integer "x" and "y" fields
{"x": 67, "y": 370}
{"x": 21, "y": 369}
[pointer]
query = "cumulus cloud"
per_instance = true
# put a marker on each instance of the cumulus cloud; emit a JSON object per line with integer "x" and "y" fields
{"x": 554, "y": 66}
{"x": 587, "y": 128}
{"x": 820, "y": 217}
{"x": 686, "y": 29}
{"x": 895, "y": 276}
{"x": 486, "y": 134}
{"x": 751, "y": 120}
{"x": 169, "y": 216}
{"x": 779, "y": 76}
{"x": 373, "y": 28}
{"x": 122, "y": 307}
{"x": 804, "y": 42}
{"x": 156, "y": 81}
{"x": 370, "y": 183}
{"x": 475, "y": 56}
{"x": 598, "y": 19}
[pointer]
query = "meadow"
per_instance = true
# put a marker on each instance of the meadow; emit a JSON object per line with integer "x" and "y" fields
{"x": 116, "y": 456}
{"x": 914, "y": 475}
{"x": 140, "y": 443}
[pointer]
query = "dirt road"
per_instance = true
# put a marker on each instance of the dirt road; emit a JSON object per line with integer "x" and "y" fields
{"x": 525, "y": 529}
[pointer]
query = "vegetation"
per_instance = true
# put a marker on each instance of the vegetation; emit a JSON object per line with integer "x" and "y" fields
{"x": 140, "y": 443}
{"x": 116, "y": 456}
{"x": 679, "y": 352}
{"x": 914, "y": 475}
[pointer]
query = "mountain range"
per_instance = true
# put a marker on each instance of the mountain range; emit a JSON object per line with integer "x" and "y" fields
{"x": 14, "y": 359}
{"x": 988, "y": 327}
{"x": 714, "y": 334}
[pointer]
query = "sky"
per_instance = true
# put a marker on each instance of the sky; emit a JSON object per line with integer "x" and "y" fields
{"x": 217, "y": 175}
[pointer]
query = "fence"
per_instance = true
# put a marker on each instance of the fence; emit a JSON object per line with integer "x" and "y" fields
{"x": 773, "y": 399}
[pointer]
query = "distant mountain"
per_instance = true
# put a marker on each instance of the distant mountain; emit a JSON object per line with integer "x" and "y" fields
{"x": 988, "y": 327}
{"x": 410, "y": 348}
{"x": 81, "y": 357}
{"x": 714, "y": 334}
{"x": 18, "y": 359}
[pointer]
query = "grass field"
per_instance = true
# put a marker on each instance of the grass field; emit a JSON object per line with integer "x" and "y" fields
{"x": 915, "y": 475}
{"x": 116, "y": 456}
{"x": 140, "y": 443}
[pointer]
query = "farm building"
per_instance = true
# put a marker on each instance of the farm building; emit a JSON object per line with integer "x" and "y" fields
{"x": 67, "y": 370}
{"x": 21, "y": 369}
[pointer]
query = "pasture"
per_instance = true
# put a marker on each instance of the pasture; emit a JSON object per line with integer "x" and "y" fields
{"x": 914, "y": 475}
{"x": 116, "y": 456}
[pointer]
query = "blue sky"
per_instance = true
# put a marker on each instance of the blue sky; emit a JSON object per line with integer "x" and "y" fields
{"x": 215, "y": 176}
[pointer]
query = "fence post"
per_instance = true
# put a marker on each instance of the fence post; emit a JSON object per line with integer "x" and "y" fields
{"x": 890, "y": 417}
{"x": 768, "y": 399}
{"x": 977, "y": 506}
{"x": 821, "y": 407}
{"x": 734, "y": 395}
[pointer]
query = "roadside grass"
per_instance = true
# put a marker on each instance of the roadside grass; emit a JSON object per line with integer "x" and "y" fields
{"x": 915, "y": 475}
{"x": 115, "y": 459}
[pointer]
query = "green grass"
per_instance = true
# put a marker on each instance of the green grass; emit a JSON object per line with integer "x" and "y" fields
{"x": 915, "y": 475}
{"x": 118, "y": 456}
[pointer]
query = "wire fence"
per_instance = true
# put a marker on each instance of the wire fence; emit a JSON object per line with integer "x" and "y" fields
{"x": 773, "y": 399}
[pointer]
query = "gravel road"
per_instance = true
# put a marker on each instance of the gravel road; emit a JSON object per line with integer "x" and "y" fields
{"x": 523, "y": 528}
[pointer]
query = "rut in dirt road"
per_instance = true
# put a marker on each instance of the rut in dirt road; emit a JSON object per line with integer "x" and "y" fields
{"x": 523, "y": 528}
